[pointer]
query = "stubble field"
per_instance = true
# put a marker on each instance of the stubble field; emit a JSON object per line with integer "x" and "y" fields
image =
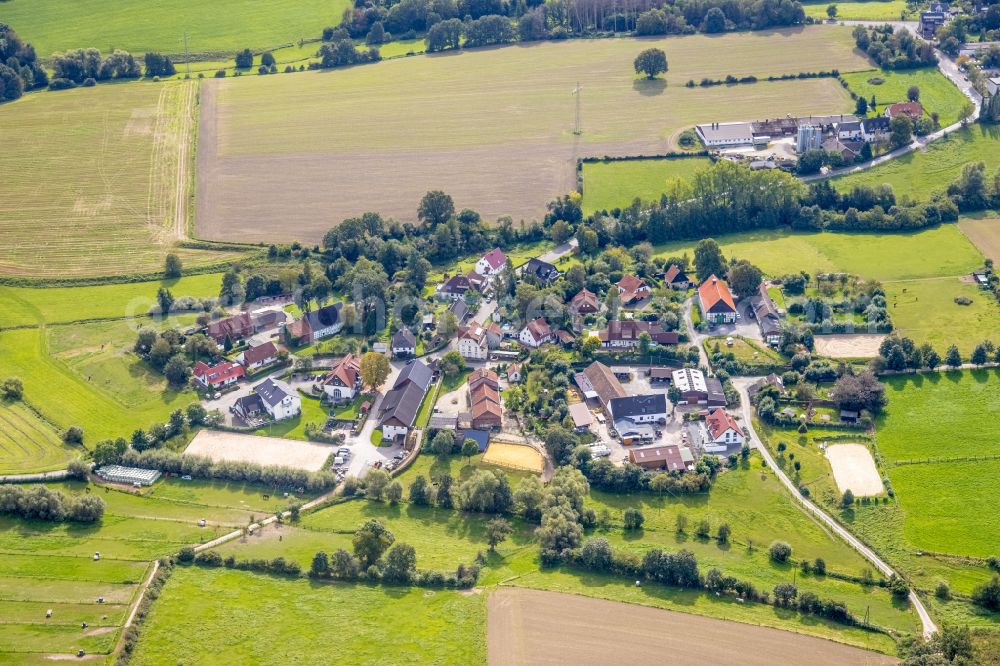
{"x": 95, "y": 180}
{"x": 493, "y": 127}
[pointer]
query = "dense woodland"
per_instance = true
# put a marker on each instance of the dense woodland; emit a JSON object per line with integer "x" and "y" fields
{"x": 19, "y": 68}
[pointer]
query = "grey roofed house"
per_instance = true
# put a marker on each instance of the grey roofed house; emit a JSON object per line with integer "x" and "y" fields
{"x": 444, "y": 421}
{"x": 400, "y": 405}
{"x": 542, "y": 270}
{"x": 638, "y": 406}
{"x": 273, "y": 391}
{"x": 416, "y": 372}
{"x": 875, "y": 124}
{"x": 248, "y": 405}
{"x": 404, "y": 339}
{"x": 460, "y": 310}
{"x": 716, "y": 395}
{"x": 771, "y": 380}
{"x": 726, "y": 134}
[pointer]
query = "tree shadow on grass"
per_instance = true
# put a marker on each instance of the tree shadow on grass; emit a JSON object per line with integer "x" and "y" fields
{"x": 649, "y": 87}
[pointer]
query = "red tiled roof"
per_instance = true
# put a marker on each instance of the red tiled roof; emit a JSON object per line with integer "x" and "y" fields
{"x": 585, "y": 299}
{"x": 260, "y": 353}
{"x": 218, "y": 373}
{"x": 630, "y": 286}
{"x": 495, "y": 258}
{"x": 672, "y": 273}
{"x": 661, "y": 455}
{"x": 484, "y": 375}
{"x": 346, "y": 369}
{"x": 719, "y": 422}
{"x": 539, "y": 329}
{"x": 912, "y": 109}
{"x": 714, "y": 291}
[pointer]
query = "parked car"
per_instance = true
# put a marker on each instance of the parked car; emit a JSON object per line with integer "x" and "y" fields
{"x": 398, "y": 456}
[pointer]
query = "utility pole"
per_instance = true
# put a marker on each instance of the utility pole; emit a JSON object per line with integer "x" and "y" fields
{"x": 577, "y": 91}
{"x": 187, "y": 57}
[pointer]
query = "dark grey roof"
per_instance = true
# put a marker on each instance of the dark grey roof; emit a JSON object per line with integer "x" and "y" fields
{"x": 401, "y": 404}
{"x": 273, "y": 391}
{"x": 543, "y": 270}
{"x": 638, "y": 405}
{"x": 460, "y": 310}
{"x": 415, "y": 372}
{"x": 849, "y": 127}
{"x": 404, "y": 339}
{"x": 249, "y": 404}
{"x": 876, "y": 123}
{"x": 481, "y": 437}
{"x": 716, "y": 394}
{"x": 324, "y": 317}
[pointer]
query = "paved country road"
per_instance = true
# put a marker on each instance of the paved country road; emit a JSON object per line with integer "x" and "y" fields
{"x": 741, "y": 384}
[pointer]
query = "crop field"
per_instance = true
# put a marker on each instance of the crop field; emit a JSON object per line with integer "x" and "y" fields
{"x": 862, "y": 10}
{"x": 50, "y": 565}
{"x": 29, "y": 444}
{"x": 98, "y": 387}
{"x": 547, "y": 627}
{"x": 608, "y": 185}
{"x": 984, "y": 232}
{"x": 122, "y": 155}
{"x": 221, "y": 615}
{"x": 923, "y": 173}
{"x": 225, "y": 25}
{"x": 937, "y": 92}
{"x": 511, "y": 123}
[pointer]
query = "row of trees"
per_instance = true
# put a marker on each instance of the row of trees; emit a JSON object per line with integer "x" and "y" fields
{"x": 40, "y": 503}
{"x": 77, "y": 66}
{"x": 901, "y": 353}
{"x": 19, "y": 66}
{"x": 559, "y": 20}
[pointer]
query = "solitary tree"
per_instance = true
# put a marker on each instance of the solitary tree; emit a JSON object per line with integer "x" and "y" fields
{"x": 374, "y": 369}
{"x": 780, "y": 551}
{"x": 953, "y": 359}
{"x": 900, "y": 131}
{"x": 469, "y": 448}
{"x": 633, "y": 518}
{"x": 172, "y": 266}
{"x": 497, "y": 531}
{"x": 651, "y": 62}
{"x": 831, "y": 11}
{"x": 861, "y": 107}
{"x": 913, "y": 93}
{"x": 435, "y": 207}
{"x": 370, "y": 541}
{"x": 165, "y": 299}
{"x": 848, "y": 499}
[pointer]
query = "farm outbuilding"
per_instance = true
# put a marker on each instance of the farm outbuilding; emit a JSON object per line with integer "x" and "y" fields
{"x": 129, "y": 475}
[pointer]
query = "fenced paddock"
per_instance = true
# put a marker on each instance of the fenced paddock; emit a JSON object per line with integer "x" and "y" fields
{"x": 854, "y": 469}
{"x": 230, "y": 446}
{"x": 514, "y": 456}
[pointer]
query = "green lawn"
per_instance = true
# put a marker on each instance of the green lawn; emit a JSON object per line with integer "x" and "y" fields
{"x": 925, "y": 310}
{"x": 746, "y": 351}
{"x": 923, "y": 173}
{"x": 860, "y": 10}
{"x": 23, "y": 306}
{"x": 28, "y": 443}
{"x": 220, "y": 615}
{"x": 226, "y": 25}
{"x": 937, "y": 92}
{"x": 943, "y": 251}
{"x": 608, "y": 185}
{"x": 295, "y": 428}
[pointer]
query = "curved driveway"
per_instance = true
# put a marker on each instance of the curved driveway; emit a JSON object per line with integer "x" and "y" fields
{"x": 741, "y": 384}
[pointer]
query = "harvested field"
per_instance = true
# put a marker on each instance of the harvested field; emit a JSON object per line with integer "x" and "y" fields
{"x": 854, "y": 469}
{"x": 96, "y": 180}
{"x": 530, "y": 626}
{"x": 348, "y": 137}
{"x": 984, "y": 233}
{"x": 859, "y": 345}
{"x": 514, "y": 456}
{"x": 261, "y": 450}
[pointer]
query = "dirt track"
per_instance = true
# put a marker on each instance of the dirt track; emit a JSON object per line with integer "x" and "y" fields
{"x": 854, "y": 468}
{"x": 535, "y": 627}
{"x": 858, "y": 345}
{"x": 218, "y": 445}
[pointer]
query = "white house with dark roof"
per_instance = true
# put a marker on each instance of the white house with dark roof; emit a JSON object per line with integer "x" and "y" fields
{"x": 400, "y": 405}
{"x": 280, "y": 400}
{"x": 404, "y": 343}
{"x": 536, "y": 333}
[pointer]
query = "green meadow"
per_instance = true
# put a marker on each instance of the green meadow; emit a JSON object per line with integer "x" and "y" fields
{"x": 28, "y": 443}
{"x": 50, "y": 565}
{"x": 925, "y": 172}
{"x": 926, "y": 310}
{"x": 937, "y": 92}
{"x": 615, "y": 184}
{"x": 222, "y": 615}
{"x": 862, "y": 10}
{"x": 225, "y": 25}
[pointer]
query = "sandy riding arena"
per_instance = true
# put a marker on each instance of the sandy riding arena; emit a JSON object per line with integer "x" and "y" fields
{"x": 854, "y": 469}
{"x": 535, "y": 627}
{"x": 261, "y": 450}
{"x": 858, "y": 345}
{"x": 514, "y": 456}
